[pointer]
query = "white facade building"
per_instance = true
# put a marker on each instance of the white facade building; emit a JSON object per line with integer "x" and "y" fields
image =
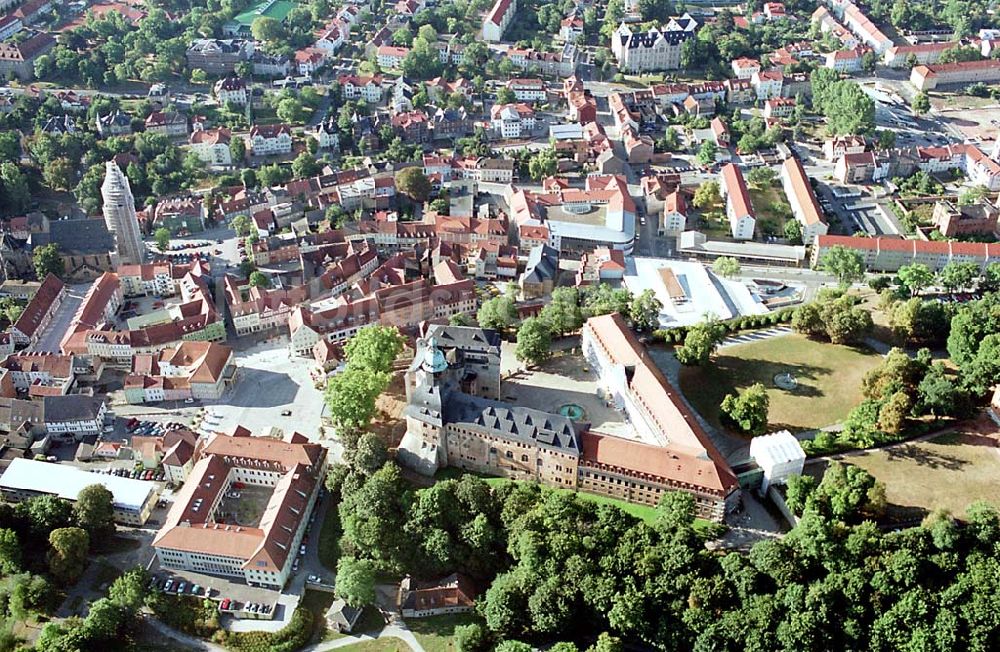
{"x": 657, "y": 49}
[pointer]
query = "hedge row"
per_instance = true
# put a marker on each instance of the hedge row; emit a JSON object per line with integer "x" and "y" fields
{"x": 677, "y": 334}
{"x": 293, "y": 636}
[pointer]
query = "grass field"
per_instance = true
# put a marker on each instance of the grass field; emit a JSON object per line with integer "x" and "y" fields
{"x": 828, "y": 376}
{"x": 770, "y": 204}
{"x": 950, "y": 472}
{"x": 435, "y": 633}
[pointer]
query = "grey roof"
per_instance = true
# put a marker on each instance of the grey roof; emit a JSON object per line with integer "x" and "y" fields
{"x": 73, "y": 407}
{"x": 81, "y": 237}
{"x": 343, "y": 613}
{"x": 552, "y": 431}
{"x": 464, "y": 336}
{"x": 542, "y": 265}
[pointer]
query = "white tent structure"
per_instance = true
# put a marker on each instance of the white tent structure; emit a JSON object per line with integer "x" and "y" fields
{"x": 779, "y": 455}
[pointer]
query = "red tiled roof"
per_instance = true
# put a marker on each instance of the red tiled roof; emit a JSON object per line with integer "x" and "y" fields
{"x": 736, "y": 190}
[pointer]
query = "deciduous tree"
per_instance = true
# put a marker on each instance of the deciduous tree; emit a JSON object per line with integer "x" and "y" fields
{"x": 497, "y": 313}
{"x": 726, "y": 266}
{"x": 162, "y": 238}
{"x": 94, "y": 511}
{"x": 355, "y": 581}
{"x": 534, "y": 341}
{"x": 47, "y": 260}
{"x": 68, "y": 553}
{"x": 846, "y": 264}
{"x": 747, "y": 411}
{"x": 700, "y": 342}
{"x": 374, "y": 347}
{"x": 413, "y": 183}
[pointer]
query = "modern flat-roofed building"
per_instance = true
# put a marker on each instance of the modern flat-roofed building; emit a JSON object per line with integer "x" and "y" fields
{"x": 207, "y": 532}
{"x": 133, "y": 500}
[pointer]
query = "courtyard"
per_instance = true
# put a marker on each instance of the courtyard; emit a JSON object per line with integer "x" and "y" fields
{"x": 949, "y": 471}
{"x": 243, "y": 505}
{"x": 565, "y": 385}
{"x": 823, "y": 380}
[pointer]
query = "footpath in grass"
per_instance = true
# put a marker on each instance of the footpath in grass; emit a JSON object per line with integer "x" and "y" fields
{"x": 378, "y": 645}
{"x": 827, "y": 380}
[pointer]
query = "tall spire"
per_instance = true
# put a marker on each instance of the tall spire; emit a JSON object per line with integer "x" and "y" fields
{"x": 119, "y": 215}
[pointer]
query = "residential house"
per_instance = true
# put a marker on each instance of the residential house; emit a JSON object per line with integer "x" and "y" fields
{"x": 270, "y": 140}
{"x": 739, "y": 210}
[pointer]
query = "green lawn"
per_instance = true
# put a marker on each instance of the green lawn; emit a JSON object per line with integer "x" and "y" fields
{"x": 770, "y": 204}
{"x": 947, "y": 472}
{"x": 828, "y": 376}
{"x": 435, "y": 634}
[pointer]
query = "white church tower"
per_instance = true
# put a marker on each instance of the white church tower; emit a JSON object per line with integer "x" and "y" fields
{"x": 119, "y": 215}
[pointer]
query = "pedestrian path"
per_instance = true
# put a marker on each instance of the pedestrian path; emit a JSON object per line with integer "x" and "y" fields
{"x": 755, "y": 336}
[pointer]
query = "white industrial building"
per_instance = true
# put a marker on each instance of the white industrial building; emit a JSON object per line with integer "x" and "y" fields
{"x": 689, "y": 291}
{"x": 133, "y": 500}
{"x": 779, "y": 455}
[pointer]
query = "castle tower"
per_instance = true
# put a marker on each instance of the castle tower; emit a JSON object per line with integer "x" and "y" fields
{"x": 119, "y": 215}
{"x": 433, "y": 364}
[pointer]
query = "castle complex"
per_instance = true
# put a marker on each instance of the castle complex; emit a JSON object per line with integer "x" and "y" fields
{"x": 454, "y": 418}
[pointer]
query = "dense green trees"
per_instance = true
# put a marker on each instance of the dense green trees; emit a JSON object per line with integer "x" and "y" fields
{"x": 846, "y": 107}
{"x": 413, "y": 183}
{"x": 837, "y": 319}
{"x": 351, "y": 394}
{"x": 355, "y": 581}
{"x": 68, "y": 553}
{"x": 559, "y": 568}
{"x": 846, "y": 264}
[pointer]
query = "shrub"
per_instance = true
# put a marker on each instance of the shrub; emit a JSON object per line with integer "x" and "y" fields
{"x": 291, "y": 637}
